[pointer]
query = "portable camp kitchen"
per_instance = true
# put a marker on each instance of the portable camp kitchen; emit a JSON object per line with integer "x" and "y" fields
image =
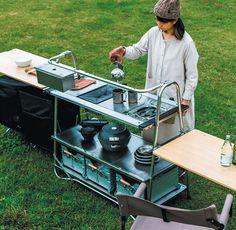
{"x": 88, "y": 162}
{"x": 107, "y": 173}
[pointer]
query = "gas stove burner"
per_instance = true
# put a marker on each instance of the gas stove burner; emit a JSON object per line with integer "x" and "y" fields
{"x": 147, "y": 111}
{"x": 143, "y": 112}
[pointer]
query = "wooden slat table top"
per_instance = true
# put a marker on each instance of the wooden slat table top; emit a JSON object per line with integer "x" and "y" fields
{"x": 9, "y": 68}
{"x": 199, "y": 152}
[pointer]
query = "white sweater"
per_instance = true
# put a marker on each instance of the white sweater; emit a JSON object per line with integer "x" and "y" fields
{"x": 169, "y": 60}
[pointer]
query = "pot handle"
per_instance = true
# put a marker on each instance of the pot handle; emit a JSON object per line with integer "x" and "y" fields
{"x": 115, "y": 146}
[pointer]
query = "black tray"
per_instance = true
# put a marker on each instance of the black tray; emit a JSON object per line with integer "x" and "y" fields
{"x": 98, "y": 95}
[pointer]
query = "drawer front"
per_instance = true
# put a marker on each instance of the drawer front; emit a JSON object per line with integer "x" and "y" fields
{"x": 165, "y": 183}
{"x": 99, "y": 174}
{"x": 74, "y": 161}
{"x": 126, "y": 186}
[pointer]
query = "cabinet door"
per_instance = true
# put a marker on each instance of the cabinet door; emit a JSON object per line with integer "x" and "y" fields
{"x": 10, "y": 112}
{"x": 37, "y": 119}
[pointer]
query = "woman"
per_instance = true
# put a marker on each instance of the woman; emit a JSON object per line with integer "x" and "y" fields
{"x": 172, "y": 56}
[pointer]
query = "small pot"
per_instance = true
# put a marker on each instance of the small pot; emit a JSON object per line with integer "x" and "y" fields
{"x": 114, "y": 137}
{"x": 88, "y": 133}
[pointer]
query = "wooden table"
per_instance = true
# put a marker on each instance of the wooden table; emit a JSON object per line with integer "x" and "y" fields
{"x": 199, "y": 152}
{"x": 9, "y": 68}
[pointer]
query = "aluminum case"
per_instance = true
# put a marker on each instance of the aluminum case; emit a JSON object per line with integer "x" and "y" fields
{"x": 55, "y": 77}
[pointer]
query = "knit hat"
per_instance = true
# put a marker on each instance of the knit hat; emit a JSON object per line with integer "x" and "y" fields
{"x": 169, "y": 9}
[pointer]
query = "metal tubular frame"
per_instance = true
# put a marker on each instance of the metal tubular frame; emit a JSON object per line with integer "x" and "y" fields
{"x": 67, "y": 53}
{"x": 165, "y": 85}
{"x": 55, "y": 130}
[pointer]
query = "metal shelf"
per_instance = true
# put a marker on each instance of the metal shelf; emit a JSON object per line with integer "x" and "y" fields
{"x": 124, "y": 112}
{"x": 123, "y": 162}
{"x": 100, "y": 177}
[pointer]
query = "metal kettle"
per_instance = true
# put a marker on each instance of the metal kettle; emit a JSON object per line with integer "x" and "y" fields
{"x": 118, "y": 71}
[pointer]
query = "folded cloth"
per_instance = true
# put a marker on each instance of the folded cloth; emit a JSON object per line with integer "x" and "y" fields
{"x": 82, "y": 83}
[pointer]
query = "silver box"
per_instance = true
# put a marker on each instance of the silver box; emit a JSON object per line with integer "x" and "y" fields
{"x": 55, "y": 77}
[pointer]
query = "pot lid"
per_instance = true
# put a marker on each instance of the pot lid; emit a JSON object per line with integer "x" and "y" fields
{"x": 114, "y": 128}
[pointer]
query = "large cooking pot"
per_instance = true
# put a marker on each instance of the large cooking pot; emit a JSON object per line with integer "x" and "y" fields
{"x": 114, "y": 137}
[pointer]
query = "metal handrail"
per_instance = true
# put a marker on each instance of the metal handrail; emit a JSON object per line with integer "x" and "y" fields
{"x": 55, "y": 61}
{"x": 165, "y": 85}
{"x": 66, "y": 53}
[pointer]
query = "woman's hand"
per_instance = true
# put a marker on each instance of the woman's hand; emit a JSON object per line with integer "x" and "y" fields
{"x": 117, "y": 54}
{"x": 184, "y": 102}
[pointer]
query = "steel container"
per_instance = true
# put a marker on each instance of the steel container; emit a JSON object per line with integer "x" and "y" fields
{"x": 55, "y": 77}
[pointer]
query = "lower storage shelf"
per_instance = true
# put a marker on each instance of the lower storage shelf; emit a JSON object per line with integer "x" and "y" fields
{"x": 106, "y": 181}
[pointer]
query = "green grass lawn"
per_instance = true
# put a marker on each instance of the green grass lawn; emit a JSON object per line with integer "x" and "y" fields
{"x": 31, "y": 196}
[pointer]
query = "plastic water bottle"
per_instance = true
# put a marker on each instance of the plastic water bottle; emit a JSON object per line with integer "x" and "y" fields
{"x": 226, "y": 152}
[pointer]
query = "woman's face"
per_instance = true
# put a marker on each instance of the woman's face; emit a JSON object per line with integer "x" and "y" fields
{"x": 166, "y": 26}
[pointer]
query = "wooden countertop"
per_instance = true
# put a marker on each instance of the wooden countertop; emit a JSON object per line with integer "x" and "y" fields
{"x": 9, "y": 68}
{"x": 199, "y": 152}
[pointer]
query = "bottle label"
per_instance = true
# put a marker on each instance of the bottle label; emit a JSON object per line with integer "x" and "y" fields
{"x": 226, "y": 159}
